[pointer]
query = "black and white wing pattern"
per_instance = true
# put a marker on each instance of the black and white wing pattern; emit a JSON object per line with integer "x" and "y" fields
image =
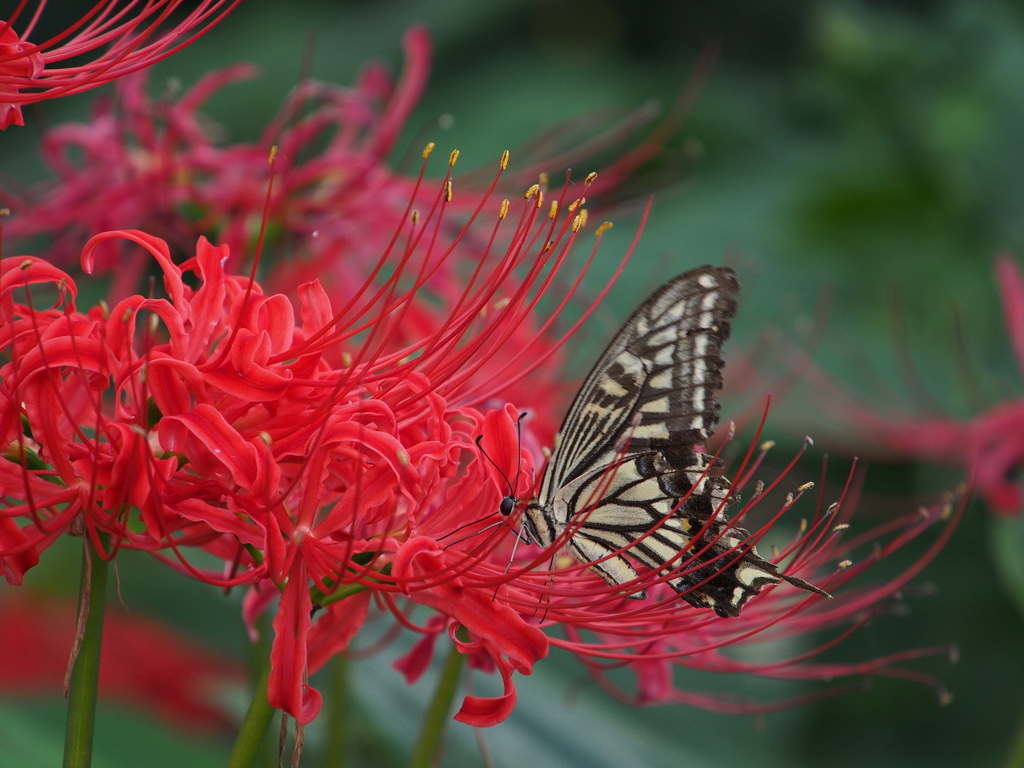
{"x": 627, "y": 453}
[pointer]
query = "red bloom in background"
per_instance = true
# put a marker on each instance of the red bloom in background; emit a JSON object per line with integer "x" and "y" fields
{"x": 145, "y": 664}
{"x": 988, "y": 446}
{"x": 158, "y": 166}
{"x": 110, "y": 40}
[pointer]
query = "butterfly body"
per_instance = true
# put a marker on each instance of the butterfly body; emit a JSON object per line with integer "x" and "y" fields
{"x": 628, "y": 477}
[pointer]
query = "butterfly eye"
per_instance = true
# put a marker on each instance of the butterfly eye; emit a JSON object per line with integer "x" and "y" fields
{"x": 507, "y": 505}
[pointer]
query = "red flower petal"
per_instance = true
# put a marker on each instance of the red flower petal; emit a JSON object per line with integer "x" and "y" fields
{"x": 287, "y": 688}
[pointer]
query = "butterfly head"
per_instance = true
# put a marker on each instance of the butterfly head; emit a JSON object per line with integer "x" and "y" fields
{"x": 510, "y": 500}
{"x": 508, "y": 505}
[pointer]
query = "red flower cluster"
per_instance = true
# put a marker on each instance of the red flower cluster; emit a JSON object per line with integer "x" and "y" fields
{"x": 112, "y": 39}
{"x": 222, "y": 419}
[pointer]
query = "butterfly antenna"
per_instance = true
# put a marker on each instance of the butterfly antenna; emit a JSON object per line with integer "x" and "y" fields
{"x": 505, "y": 509}
{"x": 512, "y": 491}
{"x": 519, "y": 450}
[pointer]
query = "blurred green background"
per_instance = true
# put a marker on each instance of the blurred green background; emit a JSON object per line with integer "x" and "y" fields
{"x": 842, "y": 153}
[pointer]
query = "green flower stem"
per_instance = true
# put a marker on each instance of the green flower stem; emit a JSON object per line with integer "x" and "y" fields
{"x": 257, "y": 719}
{"x": 339, "y": 742}
{"x": 259, "y": 652}
{"x": 85, "y": 675}
{"x": 425, "y": 753}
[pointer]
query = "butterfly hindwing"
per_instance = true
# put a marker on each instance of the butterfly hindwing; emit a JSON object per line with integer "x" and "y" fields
{"x": 627, "y": 476}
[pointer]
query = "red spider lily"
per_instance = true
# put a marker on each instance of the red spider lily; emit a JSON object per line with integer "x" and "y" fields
{"x": 583, "y": 614}
{"x": 157, "y": 166}
{"x": 145, "y": 664}
{"x": 113, "y": 38}
{"x": 988, "y": 446}
{"x": 328, "y": 457}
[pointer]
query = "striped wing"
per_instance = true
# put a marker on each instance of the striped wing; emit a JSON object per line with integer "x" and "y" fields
{"x": 626, "y": 454}
{"x": 663, "y": 368}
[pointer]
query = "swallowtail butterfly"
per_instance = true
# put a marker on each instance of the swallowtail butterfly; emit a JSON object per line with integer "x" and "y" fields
{"x": 627, "y": 453}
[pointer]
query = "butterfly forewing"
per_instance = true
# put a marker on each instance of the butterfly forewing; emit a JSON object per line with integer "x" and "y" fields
{"x": 663, "y": 366}
{"x": 625, "y": 477}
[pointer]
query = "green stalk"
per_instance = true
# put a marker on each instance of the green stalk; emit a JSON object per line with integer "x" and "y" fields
{"x": 85, "y": 675}
{"x": 339, "y": 741}
{"x": 425, "y": 753}
{"x": 257, "y": 720}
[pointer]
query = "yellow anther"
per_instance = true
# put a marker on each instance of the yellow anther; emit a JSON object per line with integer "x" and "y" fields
{"x": 767, "y": 445}
{"x": 577, "y": 223}
{"x": 803, "y": 525}
{"x": 540, "y": 198}
{"x": 590, "y": 178}
{"x": 428, "y": 149}
{"x": 4, "y": 213}
{"x": 403, "y": 457}
{"x": 453, "y": 157}
{"x": 805, "y": 487}
{"x": 844, "y": 564}
{"x": 504, "y": 209}
{"x": 583, "y": 217}
{"x": 576, "y": 203}
{"x": 543, "y": 179}
{"x": 553, "y": 211}
{"x": 604, "y": 228}
{"x": 266, "y": 438}
{"x": 840, "y": 527}
{"x": 346, "y": 359}
{"x": 532, "y": 191}
{"x": 415, "y": 217}
{"x": 25, "y": 264}
{"x": 273, "y": 154}
{"x": 504, "y": 160}
{"x": 448, "y": 191}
